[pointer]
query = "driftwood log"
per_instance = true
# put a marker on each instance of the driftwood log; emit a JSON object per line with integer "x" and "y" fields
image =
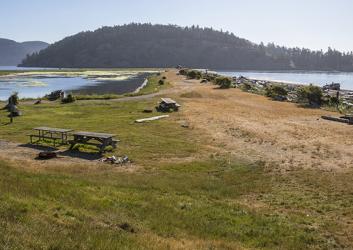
{"x": 338, "y": 119}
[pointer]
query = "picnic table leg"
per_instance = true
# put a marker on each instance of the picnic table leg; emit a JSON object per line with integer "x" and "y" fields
{"x": 103, "y": 146}
{"x": 73, "y": 143}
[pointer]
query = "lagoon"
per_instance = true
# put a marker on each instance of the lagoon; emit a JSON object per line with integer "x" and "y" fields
{"x": 36, "y": 84}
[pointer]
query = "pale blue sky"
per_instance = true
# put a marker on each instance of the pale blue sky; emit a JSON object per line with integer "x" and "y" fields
{"x": 314, "y": 24}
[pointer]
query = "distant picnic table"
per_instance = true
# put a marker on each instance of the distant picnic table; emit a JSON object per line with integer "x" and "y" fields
{"x": 56, "y": 135}
{"x": 100, "y": 140}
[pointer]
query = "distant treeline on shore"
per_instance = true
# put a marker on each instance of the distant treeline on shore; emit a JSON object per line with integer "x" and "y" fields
{"x": 147, "y": 45}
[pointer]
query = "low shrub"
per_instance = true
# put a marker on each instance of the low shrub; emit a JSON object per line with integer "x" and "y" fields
{"x": 210, "y": 77}
{"x": 245, "y": 86}
{"x": 223, "y": 82}
{"x": 333, "y": 101}
{"x": 276, "y": 91}
{"x": 13, "y": 99}
{"x": 310, "y": 94}
{"x": 194, "y": 74}
{"x": 161, "y": 82}
{"x": 69, "y": 99}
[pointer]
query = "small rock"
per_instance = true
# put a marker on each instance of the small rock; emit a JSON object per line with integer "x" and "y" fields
{"x": 127, "y": 227}
{"x": 148, "y": 111}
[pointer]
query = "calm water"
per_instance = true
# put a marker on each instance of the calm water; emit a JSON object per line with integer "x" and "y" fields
{"x": 318, "y": 78}
{"x": 38, "y": 84}
{"x": 3, "y": 68}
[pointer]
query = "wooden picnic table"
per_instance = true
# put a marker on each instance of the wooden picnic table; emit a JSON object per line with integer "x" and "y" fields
{"x": 52, "y": 134}
{"x": 102, "y": 140}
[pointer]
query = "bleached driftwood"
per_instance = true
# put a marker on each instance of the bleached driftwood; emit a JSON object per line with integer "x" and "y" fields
{"x": 151, "y": 118}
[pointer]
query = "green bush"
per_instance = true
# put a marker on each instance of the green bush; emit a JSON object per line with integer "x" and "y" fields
{"x": 13, "y": 99}
{"x": 245, "y": 86}
{"x": 69, "y": 99}
{"x": 275, "y": 91}
{"x": 194, "y": 74}
{"x": 333, "y": 101}
{"x": 223, "y": 82}
{"x": 210, "y": 77}
{"x": 183, "y": 72}
{"x": 161, "y": 82}
{"x": 310, "y": 94}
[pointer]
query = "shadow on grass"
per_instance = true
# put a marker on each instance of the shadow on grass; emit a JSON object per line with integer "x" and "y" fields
{"x": 39, "y": 147}
{"x": 67, "y": 153}
{"x": 81, "y": 155}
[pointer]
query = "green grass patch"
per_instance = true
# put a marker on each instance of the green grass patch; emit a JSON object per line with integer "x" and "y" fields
{"x": 202, "y": 201}
{"x": 141, "y": 142}
{"x": 97, "y": 97}
{"x": 153, "y": 86}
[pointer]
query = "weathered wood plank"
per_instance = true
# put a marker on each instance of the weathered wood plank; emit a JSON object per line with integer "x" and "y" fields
{"x": 93, "y": 135}
{"x": 53, "y": 130}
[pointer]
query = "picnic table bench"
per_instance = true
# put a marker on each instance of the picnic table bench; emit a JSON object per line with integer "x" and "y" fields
{"x": 52, "y": 134}
{"x": 100, "y": 140}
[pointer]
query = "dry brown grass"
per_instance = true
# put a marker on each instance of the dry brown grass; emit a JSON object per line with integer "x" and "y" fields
{"x": 255, "y": 128}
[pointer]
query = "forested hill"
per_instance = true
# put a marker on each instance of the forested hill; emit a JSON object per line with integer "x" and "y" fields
{"x": 12, "y": 53}
{"x": 146, "y": 45}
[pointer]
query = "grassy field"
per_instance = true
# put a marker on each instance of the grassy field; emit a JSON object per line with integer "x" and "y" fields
{"x": 204, "y": 205}
{"x": 142, "y": 142}
{"x": 182, "y": 195}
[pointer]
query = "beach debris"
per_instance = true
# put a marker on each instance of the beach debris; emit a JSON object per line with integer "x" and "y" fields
{"x": 332, "y": 86}
{"x": 55, "y": 95}
{"x": 116, "y": 160}
{"x": 151, "y": 118}
{"x": 344, "y": 119}
{"x": 167, "y": 105}
{"x": 46, "y": 155}
{"x": 280, "y": 98}
{"x": 204, "y": 81}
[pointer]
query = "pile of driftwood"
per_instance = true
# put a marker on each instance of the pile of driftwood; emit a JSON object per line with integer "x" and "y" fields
{"x": 116, "y": 160}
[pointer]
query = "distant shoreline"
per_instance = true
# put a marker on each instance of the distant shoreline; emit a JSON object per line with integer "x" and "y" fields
{"x": 296, "y": 77}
